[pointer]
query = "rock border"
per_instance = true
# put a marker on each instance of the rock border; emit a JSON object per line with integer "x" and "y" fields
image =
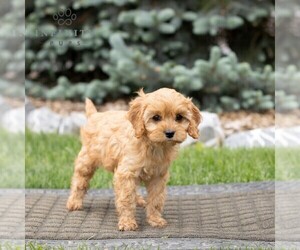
{"x": 178, "y": 190}
{"x": 166, "y": 243}
{"x": 44, "y": 120}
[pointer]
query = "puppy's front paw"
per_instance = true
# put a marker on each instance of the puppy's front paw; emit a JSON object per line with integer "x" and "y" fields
{"x": 126, "y": 224}
{"x": 157, "y": 221}
{"x": 74, "y": 204}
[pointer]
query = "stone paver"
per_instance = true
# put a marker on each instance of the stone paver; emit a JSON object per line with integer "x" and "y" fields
{"x": 239, "y": 215}
{"x": 252, "y": 209}
{"x": 218, "y": 224}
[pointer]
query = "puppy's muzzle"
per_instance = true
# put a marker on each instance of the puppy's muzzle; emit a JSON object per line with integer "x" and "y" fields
{"x": 169, "y": 134}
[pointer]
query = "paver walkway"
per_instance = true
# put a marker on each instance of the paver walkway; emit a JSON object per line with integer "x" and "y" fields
{"x": 199, "y": 217}
{"x": 244, "y": 216}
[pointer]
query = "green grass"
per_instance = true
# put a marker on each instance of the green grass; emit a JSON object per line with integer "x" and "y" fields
{"x": 287, "y": 164}
{"x": 50, "y": 158}
{"x": 12, "y": 152}
{"x": 198, "y": 165}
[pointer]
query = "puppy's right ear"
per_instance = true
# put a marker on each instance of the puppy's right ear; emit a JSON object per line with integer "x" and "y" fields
{"x": 195, "y": 121}
{"x": 135, "y": 114}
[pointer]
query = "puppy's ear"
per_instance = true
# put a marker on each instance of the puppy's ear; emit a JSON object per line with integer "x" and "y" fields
{"x": 135, "y": 114}
{"x": 194, "y": 121}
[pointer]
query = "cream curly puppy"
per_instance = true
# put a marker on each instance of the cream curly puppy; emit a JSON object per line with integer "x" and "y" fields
{"x": 137, "y": 146}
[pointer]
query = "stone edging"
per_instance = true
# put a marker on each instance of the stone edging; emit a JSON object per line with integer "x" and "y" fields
{"x": 166, "y": 243}
{"x": 179, "y": 190}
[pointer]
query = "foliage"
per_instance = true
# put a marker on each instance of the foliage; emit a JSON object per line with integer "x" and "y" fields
{"x": 287, "y": 94}
{"x": 287, "y": 89}
{"x": 12, "y": 48}
{"x": 287, "y": 35}
{"x": 113, "y": 47}
{"x": 50, "y": 158}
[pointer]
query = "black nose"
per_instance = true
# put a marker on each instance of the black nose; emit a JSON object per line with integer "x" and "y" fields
{"x": 169, "y": 134}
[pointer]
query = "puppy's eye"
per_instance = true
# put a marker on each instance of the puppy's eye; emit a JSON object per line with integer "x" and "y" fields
{"x": 179, "y": 117}
{"x": 156, "y": 118}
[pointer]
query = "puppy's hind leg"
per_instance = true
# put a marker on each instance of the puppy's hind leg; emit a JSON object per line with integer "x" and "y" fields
{"x": 84, "y": 170}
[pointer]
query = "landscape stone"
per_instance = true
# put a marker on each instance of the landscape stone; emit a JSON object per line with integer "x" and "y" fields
{"x": 14, "y": 120}
{"x": 79, "y": 118}
{"x": 262, "y": 137}
{"x": 288, "y": 137}
{"x": 72, "y": 123}
{"x": 210, "y": 130}
{"x": 67, "y": 126}
{"x": 4, "y": 106}
{"x": 43, "y": 120}
{"x": 28, "y": 107}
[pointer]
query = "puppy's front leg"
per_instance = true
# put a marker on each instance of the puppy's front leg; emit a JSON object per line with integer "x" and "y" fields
{"x": 125, "y": 192}
{"x": 156, "y": 189}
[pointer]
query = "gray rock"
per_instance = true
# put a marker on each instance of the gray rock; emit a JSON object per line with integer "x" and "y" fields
{"x": 210, "y": 129}
{"x": 288, "y": 137}
{"x": 28, "y": 107}
{"x": 4, "y": 106}
{"x": 264, "y": 137}
{"x": 43, "y": 120}
{"x": 67, "y": 126}
{"x": 14, "y": 120}
{"x": 165, "y": 244}
{"x": 188, "y": 141}
{"x": 71, "y": 124}
{"x": 79, "y": 118}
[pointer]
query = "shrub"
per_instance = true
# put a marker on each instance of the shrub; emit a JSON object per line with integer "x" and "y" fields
{"x": 113, "y": 47}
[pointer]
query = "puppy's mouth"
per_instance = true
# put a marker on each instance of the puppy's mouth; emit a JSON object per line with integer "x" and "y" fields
{"x": 163, "y": 138}
{"x": 167, "y": 141}
{"x": 173, "y": 140}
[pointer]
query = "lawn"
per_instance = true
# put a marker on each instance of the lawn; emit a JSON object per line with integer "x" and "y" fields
{"x": 50, "y": 158}
{"x": 12, "y": 152}
{"x": 288, "y": 163}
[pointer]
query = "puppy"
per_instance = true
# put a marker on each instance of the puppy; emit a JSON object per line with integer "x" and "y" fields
{"x": 137, "y": 146}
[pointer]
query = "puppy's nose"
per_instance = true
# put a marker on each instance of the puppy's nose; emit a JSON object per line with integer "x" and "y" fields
{"x": 169, "y": 133}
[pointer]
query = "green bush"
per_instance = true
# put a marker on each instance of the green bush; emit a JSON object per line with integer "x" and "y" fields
{"x": 113, "y": 47}
{"x": 12, "y": 48}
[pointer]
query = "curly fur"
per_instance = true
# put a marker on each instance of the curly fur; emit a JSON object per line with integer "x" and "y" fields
{"x": 134, "y": 146}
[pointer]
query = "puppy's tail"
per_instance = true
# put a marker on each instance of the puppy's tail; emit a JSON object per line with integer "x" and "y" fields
{"x": 89, "y": 107}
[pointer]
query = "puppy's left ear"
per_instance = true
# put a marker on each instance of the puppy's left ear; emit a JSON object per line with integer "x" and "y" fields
{"x": 194, "y": 121}
{"x": 135, "y": 114}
